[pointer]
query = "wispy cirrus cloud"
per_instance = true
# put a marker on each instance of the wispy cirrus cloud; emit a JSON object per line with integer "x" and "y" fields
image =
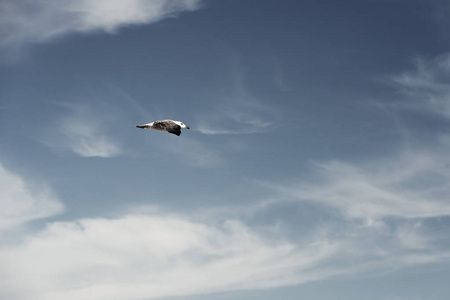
{"x": 410, "y": 185}
{"x": 84, "y": 132}
{"x": 380, "y": 215}
{"x": 85, "y": 138}
{"x": 427, "y": 85}
{"x": 231, "y": 122}
{"x": 238, "y": 113}
{"x": 25, "y": 21}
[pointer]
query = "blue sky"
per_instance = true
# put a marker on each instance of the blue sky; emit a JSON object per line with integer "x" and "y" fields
{"x": 316, "y": 166}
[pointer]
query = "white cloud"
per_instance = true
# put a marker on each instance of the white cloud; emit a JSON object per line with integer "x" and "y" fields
{"x": 145, "y": 256}
{"x": 19, "y": 204}
{"x": 411, "y": 185}
{"x": 428, "y": 85}
{"x": 231, "y": 122}
{"x": 31, "y": 21}
{"x": 85, "y": 130}
{"x": 85, "y": 138}
{"x": 141, "y": 256}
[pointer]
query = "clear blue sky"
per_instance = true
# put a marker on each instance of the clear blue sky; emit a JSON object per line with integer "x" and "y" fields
{"x": 316, "y": 166}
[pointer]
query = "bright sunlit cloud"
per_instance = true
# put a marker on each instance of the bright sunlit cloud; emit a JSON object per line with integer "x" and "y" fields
{"x": 142, "y": 256}
{"x": 25, "y": 21}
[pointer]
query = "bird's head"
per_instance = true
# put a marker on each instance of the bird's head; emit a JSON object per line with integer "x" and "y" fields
{"x": 181, "y": 124}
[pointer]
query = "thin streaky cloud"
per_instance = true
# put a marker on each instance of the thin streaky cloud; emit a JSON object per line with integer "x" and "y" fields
{"x": 238, "y": 113}
{"x": 235, "y": 119}
{"x": 410, "y": 185}
{"x": 427, "y": 86}
{"x": 239, "y": 128}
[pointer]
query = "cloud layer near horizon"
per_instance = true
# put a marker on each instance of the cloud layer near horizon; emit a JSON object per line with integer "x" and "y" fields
{"x": 141, "y": 254}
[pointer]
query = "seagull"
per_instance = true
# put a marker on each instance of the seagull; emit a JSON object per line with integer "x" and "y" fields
{"x": 170, "y": 126}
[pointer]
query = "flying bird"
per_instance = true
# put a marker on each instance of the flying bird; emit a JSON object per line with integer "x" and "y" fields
{"x": 165, "y": 125}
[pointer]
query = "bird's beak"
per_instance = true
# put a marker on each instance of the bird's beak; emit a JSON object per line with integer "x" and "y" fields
{"x": 187, "y": 127}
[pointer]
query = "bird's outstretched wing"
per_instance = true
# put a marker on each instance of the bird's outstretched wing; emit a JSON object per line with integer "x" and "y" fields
{"x": 175, "y": 129}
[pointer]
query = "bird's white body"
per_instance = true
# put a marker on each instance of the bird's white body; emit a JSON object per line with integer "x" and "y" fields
{"x": 170, "y": 126}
